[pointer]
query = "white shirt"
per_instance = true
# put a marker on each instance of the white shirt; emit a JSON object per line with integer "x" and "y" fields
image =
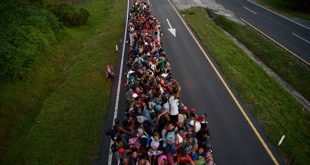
{"x": 166, "y": 106}
{"x": 174, "y": 110}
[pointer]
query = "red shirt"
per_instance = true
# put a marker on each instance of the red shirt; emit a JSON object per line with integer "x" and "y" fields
{"x": 138, "y": 104}
{"x": 186, "y": 159}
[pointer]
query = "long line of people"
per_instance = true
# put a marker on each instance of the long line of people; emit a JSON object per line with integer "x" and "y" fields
{"x": 158, "y": 129}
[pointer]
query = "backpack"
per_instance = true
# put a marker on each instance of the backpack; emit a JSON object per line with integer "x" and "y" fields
{"x": 170, "y": 133}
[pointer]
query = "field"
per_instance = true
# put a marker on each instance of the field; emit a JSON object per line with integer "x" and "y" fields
{"x": 56, "y": 116}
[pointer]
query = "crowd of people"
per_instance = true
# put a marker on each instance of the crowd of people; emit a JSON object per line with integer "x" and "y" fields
{"x": 158, "y": 129}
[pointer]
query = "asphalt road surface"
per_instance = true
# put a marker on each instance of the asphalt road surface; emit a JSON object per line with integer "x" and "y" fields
{"x": 232, "y": 139}
{"x": 291, "y": 35}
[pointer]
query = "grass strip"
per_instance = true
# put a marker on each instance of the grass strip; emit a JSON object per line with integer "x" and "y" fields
{"x": 287, "y": 66}
{"x": 57, "y": 115}
{"x": 285, "y": 7}
{"x": 275, "y": 109}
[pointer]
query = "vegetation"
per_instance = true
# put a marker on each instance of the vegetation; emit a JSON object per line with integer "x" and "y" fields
{"x": 296, "y": 8}
{"x": 303, "y": 5}
{"x": 29, "y": 31}
{"x": 275, "y": 109}
{"x": 26, "y": 34}
{"x": 287, "y": 66}
{"x": 56, "y": 114}
{"x": 70, "y": 15}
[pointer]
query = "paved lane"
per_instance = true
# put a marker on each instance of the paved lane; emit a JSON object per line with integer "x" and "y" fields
{"x": 232, "y": 139}
{"x": 292, "y": 35}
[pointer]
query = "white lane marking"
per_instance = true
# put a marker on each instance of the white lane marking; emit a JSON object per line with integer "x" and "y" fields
{"x": 237, "y": 1}
{"x": 281, "y": 140}
{"x": 294, "y": 54}
{"x": 169, "y": 23}
{"x": 119, "y": 81}
{"x": 300, "y": 38}
{"x": 171, "y": 30}
{"x": 231, "y": 12}
{"x": 249, "y": 10}
{"x": 275, "y": 161}
{"x": 279, "y": 15}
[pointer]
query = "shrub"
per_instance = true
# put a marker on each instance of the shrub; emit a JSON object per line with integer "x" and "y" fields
{"x": 300, "y": 4}
{"x": 71, "y": 15}
{"x": 25, "y": 34}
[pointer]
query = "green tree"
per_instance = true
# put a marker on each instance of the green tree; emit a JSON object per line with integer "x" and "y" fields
{"x": 26, "y": 33}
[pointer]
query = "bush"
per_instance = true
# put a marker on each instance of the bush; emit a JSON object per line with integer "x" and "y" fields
{"x": 25, "y": 34}
{"x": 300, "y": 4}
{"x": 71, "y": 15}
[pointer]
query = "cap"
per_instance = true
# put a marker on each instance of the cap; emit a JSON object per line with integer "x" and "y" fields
{"x": 158, "y": 107}
{"x": 121, "y": 151}
{"x": 184, "y": 108}
{"x": 134, "y": 95}
{"x": 141, "y": 119}
{"x": 173, "y": 150}
{"x": 193, "y": 110}
{"x": 181, "y": 118}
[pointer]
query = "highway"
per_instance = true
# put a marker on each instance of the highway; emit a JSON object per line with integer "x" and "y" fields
{"x": 233, "y": 139}
{"x": 290, "y": 34}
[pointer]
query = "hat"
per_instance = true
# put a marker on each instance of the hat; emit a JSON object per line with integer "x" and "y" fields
{"x": 158, "y": 108}
{"x": 184, "y": 108}
{"x": 152, "y": 104}
{"x": 193, "y": 110}
{"x": 196, "y": 124}
{"x": 131, "y": 71}
{"x": 164, "y": 75}
{"x": 181, "y": 118}
{"x": 141, "y": 118}
{"x": 134, "y": 95}
{"x": 173, "y": 150}
{"x": 121, "y": 151}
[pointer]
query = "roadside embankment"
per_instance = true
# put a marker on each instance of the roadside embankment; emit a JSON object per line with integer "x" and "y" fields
{"x": 276, "y": 110}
